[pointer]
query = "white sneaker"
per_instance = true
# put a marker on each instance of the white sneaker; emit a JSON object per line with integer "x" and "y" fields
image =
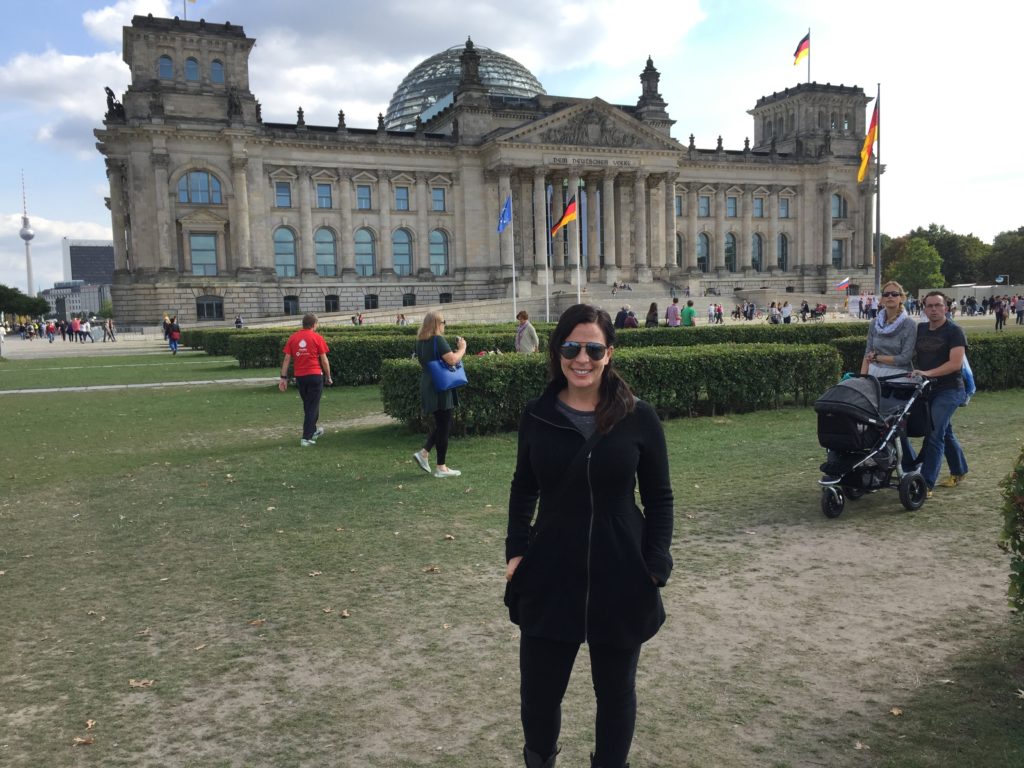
{"x": 307, "y": 443}
{"x": 319, "y": 433}
{"x": 424, "y": 463}
{"x": 446, "y": 473}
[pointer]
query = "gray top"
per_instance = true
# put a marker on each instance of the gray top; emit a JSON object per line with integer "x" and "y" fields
{"x": 584, "y": 421}
{"x": 900, "y": 343}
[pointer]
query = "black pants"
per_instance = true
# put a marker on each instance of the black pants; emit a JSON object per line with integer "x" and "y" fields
{"x": 439, "y": 435}
{"x": 545, "y": 666}
{"x": 310, "y": 390}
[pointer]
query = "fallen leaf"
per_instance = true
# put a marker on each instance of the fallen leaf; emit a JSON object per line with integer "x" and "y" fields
{"x": 339, "y": 529}
{"x": 446, "y": 626}
{"x": 143, "y": 632}
{"x": 859, "y": 745}
{"x": 279, "y": 531}
{"x": 432, "y": 569}
{"x": 1020, "y": 694}
{"x": 449, "y": 537}
{"x": 165, "y": 578}
{"x": 84, "y": 742}
{"x": 141, "y": 683}
{"x": 271, "y": 509}
{"x": 257, "y": 622}
{"x": 90, "y": 613}
{"x": 345, "y": 614}
{"x": 199, "y": 647}
{"x": 896, "y": 711}
{"x": 947, "y": 681}
{"x": 316, "y": 573}
{"x": 327, "y": 610}
{"x": 468, "y": 490}
{"x": 89, "y": 724}
{"x": 3, "y": 573}
{"x": 398, "y": 487}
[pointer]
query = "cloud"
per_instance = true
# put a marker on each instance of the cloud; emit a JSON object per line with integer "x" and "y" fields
{"x": 106, "y": 23}
{"x": 53, "y": 82}
{"x": 47, "y": 248}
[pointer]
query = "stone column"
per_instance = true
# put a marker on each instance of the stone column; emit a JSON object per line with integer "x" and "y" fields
{"x": 385, "y": 267}
{"x": 825, "y": 203}
{"x": 717, "y": 255}
{"x": 421, "y": 256}
{"x": 771, "y": 254}
{"x": 593, "y": 230}
{"x": 744, "y": 249}
{"x": 165, "y": 240}
{"x": 240, "y": 235}
{"x": 115, "y": 171}
{"x": 540, "y": 223}
{"x": 690, "y": 247}
{"x": 640, "y": 255}
{"x": 305, "y": 239}
{"x": 868, "y": 227}
{"x": 555, "y": 207}
{"x": 655, "y": 225}
{"x": 573, "y": 231}
{"x": 608, "y": 224}
{"x": 347, "y": 244}
{"x": 669, "y": 187}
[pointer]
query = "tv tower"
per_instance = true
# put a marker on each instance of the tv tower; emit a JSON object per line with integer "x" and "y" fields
{"x": 26, "y": 234}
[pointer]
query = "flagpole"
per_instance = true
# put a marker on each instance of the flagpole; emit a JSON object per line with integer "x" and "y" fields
{"x": 579, "y": 249}
{"x": 808, "y": 55}
{"x": 548, "y": 258}
{"x": 878, "y": 193}
{"x": 515, "y": 309}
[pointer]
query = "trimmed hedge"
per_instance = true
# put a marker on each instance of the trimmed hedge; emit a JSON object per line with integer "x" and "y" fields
{"x": 744, "y": 333}
{"x": 677, "y": 382}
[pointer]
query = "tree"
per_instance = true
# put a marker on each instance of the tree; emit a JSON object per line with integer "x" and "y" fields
{"x": 1006, "y": 257}
{"x": 963, "y": 256}
{"x": 917, "y": 265}
{"x": 13, "y": 301}
{"x": 107, "y": 309}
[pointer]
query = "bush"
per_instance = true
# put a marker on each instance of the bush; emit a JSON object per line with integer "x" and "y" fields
{"x": 746, "y": 333}
{"x": 1011, "y": 540}
{"x": 676, "y": 382}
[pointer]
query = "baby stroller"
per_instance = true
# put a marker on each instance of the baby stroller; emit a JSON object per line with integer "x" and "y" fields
{"x": 860, "y": 423}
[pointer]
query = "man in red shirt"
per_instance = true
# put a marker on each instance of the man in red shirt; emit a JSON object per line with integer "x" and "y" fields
{"x": 312, "y": 371}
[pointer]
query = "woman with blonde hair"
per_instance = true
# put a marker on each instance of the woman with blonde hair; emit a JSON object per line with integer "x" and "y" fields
{"x": 431, "y": 345}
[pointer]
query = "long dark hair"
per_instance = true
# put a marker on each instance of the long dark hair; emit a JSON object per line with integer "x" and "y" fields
{"x": 616, "y": 398}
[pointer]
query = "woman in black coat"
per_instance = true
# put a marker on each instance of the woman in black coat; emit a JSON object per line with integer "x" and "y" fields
{"x": 589, "y": 568}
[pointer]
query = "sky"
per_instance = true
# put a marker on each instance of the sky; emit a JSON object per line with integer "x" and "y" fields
{"x": 949, "y": 127}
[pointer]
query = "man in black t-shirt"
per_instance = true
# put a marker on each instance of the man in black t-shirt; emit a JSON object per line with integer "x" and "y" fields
{"x": 940, "y": 349}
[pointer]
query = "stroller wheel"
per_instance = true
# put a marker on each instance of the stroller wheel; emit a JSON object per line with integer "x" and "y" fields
{"x": 832, "y": 502}
{"x": 913, "y": 491}
{"x": 853, "y": 493}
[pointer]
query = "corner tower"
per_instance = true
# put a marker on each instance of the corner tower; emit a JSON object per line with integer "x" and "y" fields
{"x": 811, "y": 120}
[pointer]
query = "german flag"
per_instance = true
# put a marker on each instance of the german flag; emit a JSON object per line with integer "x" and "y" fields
{"x": 802, "y": 50}
{"x": 869, "y": 142}
{"x": 569, "y": 215}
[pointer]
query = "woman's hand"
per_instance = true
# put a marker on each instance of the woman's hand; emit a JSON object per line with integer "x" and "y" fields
{"x": 511, "y": 567}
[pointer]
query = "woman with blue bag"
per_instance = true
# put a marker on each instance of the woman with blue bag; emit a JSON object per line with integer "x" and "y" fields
{"x": 431, "y": 346}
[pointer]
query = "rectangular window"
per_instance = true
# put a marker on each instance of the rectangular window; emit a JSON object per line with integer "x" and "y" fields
{"x": 363, "y": 198}
{"x": 783, "y": 207}
{"x": 437, "y": 199}
{"x": 679, "y": 205}
{"x": 282, "y": 194}
{"x": 331, "y": 303}
{"x": 758, "y": 207}
{"x": 730, "y": 207}
{"x": 204, "y": 254}
{"x": 704, "y": 206}
{"x": 401, "y": 198}
{"x": 837, "y": 253}
{"x": 323, "y": 196}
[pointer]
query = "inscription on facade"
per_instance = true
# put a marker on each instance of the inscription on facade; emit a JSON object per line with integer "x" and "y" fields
{"x": 590, "y": 162}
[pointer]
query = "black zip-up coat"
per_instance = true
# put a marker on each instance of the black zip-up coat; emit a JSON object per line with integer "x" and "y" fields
{"x": 589, "y": 559}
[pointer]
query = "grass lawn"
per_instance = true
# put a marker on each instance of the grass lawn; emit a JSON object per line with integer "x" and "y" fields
{"x": 174, "y": 568}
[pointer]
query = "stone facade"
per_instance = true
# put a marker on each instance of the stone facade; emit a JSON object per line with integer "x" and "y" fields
{"x": 216, "y": 212}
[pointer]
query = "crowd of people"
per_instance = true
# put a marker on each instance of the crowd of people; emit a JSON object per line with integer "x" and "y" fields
{"x": 79, "y": 330}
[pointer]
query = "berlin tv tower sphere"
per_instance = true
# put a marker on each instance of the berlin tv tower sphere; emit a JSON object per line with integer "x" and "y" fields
{"x": 26, "y": 233}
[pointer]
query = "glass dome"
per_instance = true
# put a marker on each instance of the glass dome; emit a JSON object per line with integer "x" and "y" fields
{"x": 431, "y": 84}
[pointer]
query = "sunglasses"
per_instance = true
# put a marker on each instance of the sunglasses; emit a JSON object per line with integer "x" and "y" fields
{"x": 891, "y": 294}
{"x": 570, "y": 350}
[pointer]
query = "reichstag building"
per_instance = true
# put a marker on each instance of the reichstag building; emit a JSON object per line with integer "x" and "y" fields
{"x": 216, "y": 212}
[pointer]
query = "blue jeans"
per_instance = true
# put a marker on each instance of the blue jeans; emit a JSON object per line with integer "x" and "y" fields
{"x": 942, "y": 441}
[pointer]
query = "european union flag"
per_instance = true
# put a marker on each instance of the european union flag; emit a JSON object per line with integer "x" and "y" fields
{"x": 505, "y": 218}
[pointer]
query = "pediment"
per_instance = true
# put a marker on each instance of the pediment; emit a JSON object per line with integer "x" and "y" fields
{"x": 440, "y": 181}
{"x": 403, "y": 178}
{"x": 734, "y": 191}
{"x": 788, "y": 191}
{"x": 363, "y": 177}
{"x": 202, "y": 218}
{"x": 762, "y": 191}
{"x": 593, "y": 123}
{"x": 707, "y": 189}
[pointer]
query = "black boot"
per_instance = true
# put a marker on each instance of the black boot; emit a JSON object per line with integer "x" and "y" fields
{"x": 533, "y": 760}
{"x": 595, "y": 764}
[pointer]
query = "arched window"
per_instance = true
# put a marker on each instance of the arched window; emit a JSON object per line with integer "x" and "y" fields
{"x": 730, "y": 252}
{"x": 679, "y": 250}
{"x": 838, "y": 207}
{"x": 401, "y": 249}
{"x": 757, "y": 252}
{"x": 284, "y": 252}
{"x": 199, "y": 188}
{"x": 191, "y": 70}
{"x": 703, "y": 249}
{"x": 326, "y": 252}
{"x": 783, "y": 250}
{"x": 439, "y": 253}
{"x": 366, "y": 253}
{"x": 217, "y": 72}
{"x": 165, "y": 68}
{"x": 209, "y": 308}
